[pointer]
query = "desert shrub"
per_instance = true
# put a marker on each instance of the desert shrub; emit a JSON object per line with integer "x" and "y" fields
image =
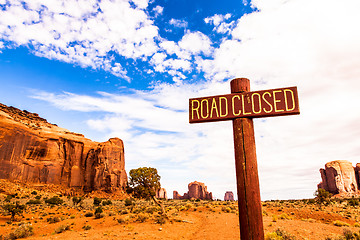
{"x": 226, "y": 209}
{"x": 160, "y": 219}
{"x": 106, "y": 202}
{"x": 141, "y": 217}
{"x": 37, "y": 197}
{"x": 54, "y": 201}
{"x": 97, "y": 201}
{"x": 322, "y": 196}
{"x": 274, "y": 218}
{"x": 121, "y": 220}
{"x": 124, "y": 211}
{"x": 353, "y": 202}
{"x": 87, "y": 227}
{"x": 98, "y": 210}
{"x": 14, "y": 209}
{"x": 53, "y": 219}
{"x": 23, "y": 231}
{"x": 339, "y": 223}
{"x": 99, "y": 215}
{"x": 8, "y": 198}
{"x": 89, "y": 214}
{"x": 128, "y": 202}
{"x": 283, "y": 235}
{"x": 33, "y": 201}
{"x": 272, "y": 236}
{"x": 357, "y": 225}
{"x": 62, "y": 228}
{"x": 77, "y": 200}
{"x": 348, "y": 234}
{"x": 284, "y": 216}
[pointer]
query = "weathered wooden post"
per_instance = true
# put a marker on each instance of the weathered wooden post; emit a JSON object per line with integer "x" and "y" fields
{"x": 248, "y": 191}
{"x": 241, "y": 106}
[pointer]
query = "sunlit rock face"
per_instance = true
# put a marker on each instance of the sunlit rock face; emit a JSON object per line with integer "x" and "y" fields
{"x": 33, "y": 150}
{"x": 197, "y": 190}
{"x": 229, "y": 196}
{"x": 339, "y": 177}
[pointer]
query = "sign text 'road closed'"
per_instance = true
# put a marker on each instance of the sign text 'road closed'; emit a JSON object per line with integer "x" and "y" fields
{"x": 266, "y": 103}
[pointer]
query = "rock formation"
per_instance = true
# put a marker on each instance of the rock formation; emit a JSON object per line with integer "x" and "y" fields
{"x": 33, "y": 150}
{"x": 197, "y": 190}
{"x": 340, "y": 177}
{"x": 161, "y": 193}
{"x": 229, "y": 196}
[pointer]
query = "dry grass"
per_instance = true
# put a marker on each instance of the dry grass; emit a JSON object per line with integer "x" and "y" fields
{"x": 46, "y": 215}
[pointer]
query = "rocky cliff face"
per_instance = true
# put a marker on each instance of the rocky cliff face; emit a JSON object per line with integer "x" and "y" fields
{"x": 229, "y": 196}
{"x": 197, "y": 190}
{"x": 33, "y": 150}
{"x": 339, "y": 177}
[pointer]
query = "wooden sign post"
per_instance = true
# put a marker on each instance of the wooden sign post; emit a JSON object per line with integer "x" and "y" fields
{"x": 241, "y": 106}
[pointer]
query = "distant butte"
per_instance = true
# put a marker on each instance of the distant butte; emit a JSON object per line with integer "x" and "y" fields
{"x": 35, "y": 151}
{"x": 197, "y": 190}
{"x": 340, "y": 177}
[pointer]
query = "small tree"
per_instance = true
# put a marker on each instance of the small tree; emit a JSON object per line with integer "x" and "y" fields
{"x": 144, "y": 182}
{"x": 14, "y": 209}
{"x": 322, "y": 196}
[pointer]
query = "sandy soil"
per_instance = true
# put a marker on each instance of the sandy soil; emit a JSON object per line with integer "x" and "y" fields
{"x": 211, "y": 220}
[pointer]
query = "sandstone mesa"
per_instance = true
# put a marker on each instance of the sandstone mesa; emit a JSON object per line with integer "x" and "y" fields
{"x": 340, "y": 177}
{"x": 35, "y": 151}
{"x": 197, "y": 190}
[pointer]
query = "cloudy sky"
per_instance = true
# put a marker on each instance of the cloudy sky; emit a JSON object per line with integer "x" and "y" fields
{"x": 126, "y": 68}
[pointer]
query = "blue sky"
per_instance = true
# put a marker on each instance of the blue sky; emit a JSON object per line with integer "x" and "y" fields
{"x": 127, "y": 69}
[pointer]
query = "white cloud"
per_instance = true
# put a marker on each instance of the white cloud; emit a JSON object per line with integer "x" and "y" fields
{"x": 220, "y": 24}
{"x": 158, "y": 10}
{"x": 156, "y": 122}
{"x": 178, "y": 23}
{"x": 196, "y": 43}
{"x": 76, "y": 32}
{"x": 311, "y": 45}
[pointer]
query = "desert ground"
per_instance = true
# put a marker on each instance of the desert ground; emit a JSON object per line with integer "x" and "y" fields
{"x": 49, "y": 214}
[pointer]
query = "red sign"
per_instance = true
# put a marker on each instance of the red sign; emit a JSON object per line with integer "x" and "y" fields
{"x": 266, "y": 103}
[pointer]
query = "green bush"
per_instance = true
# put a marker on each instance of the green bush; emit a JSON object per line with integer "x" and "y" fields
{"x": 86, "y": 227}
{"x": 339, "y": 223}
{"x": 106, "y": 202}
{"x": 23, "y": 231}
{"x": 33, "y": 201}
{"x": 77, "y": 200}
{"x": 62, "y": 228}
{"x": 141, "y": 217}
{"x": 97, "y": 201}
{"x": 98, "y": 210}
{"x": 279, "y": 234}
{"x": 322, "y": 196}
{"x": 99, "y": 213}
{"x": 353, "y": 202}
{"x": 53, "y": 219}
{"x": 89, "y": 214}
{"x": 54, "y": 201}
{"x": 128, "y": 202}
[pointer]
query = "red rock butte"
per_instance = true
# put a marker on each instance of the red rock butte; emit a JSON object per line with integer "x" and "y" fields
{"x": 197, "y": 190}
{"x": 229, "y": 196}
{"x": 340, "y": 177}
{"x": 35, "y": 151}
